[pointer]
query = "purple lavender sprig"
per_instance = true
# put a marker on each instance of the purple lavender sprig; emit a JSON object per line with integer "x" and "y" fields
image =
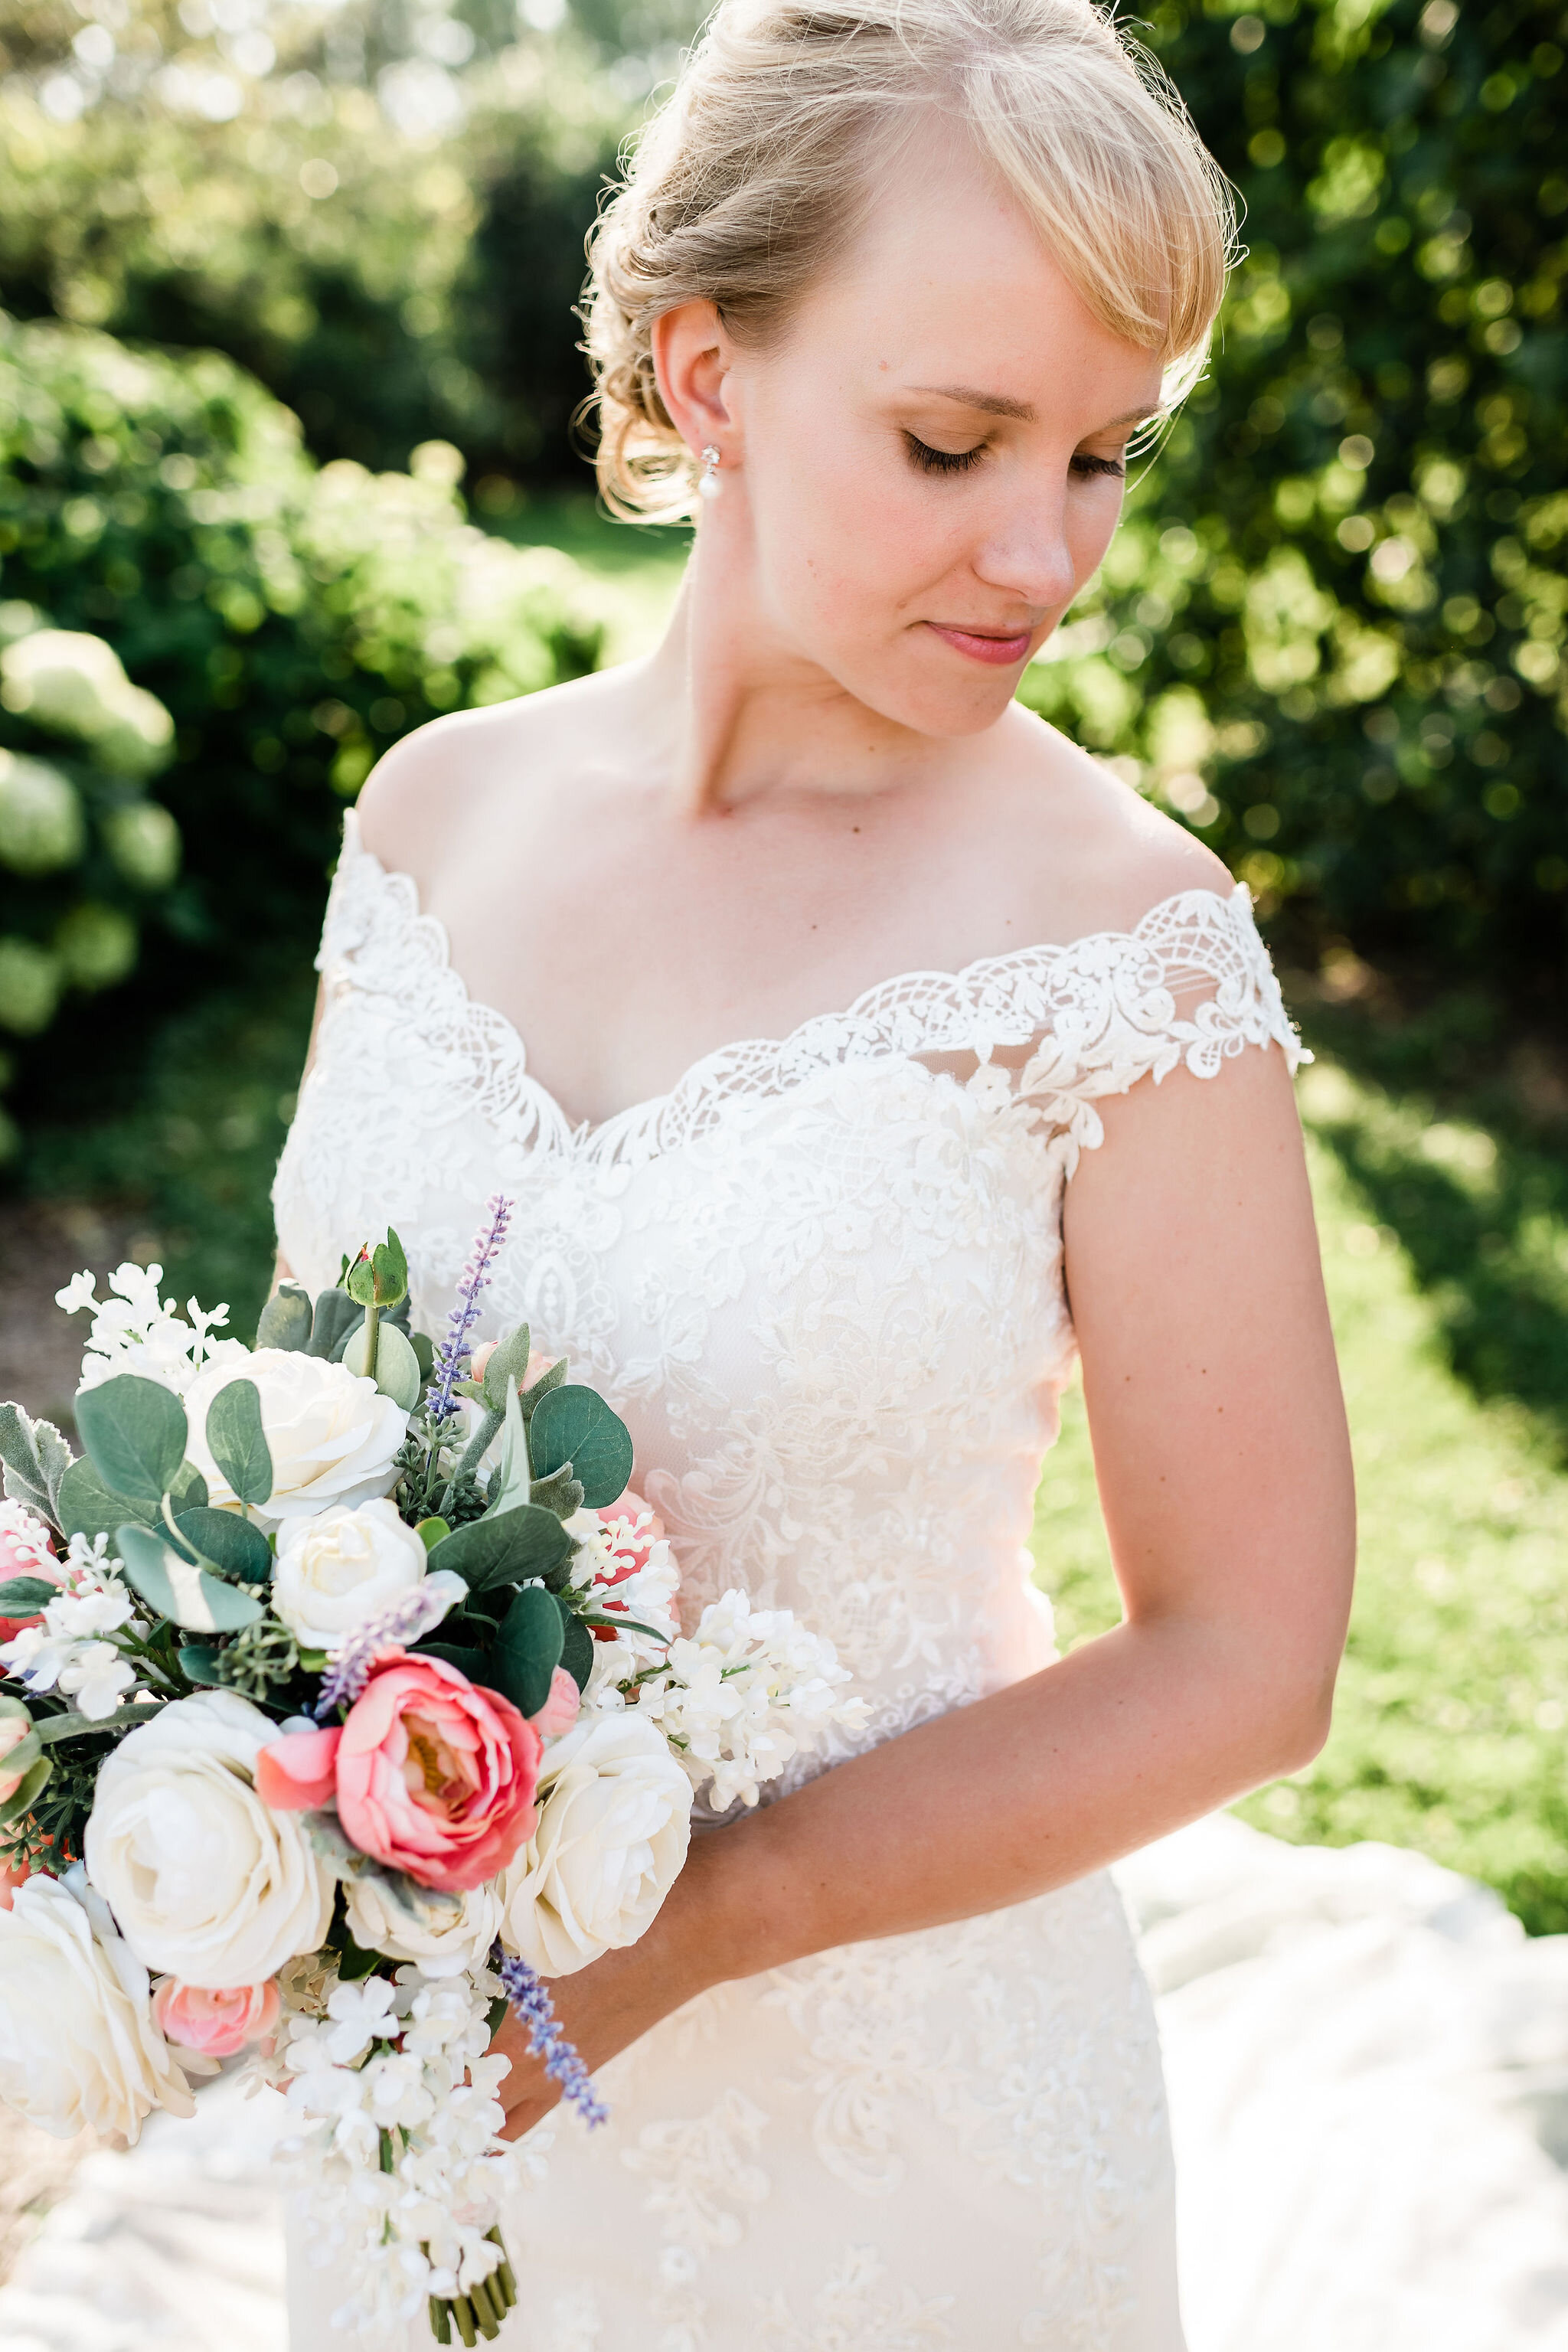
{"x": 415, "y": 1614}
{"x": 532, "y": 2004}
{"x": 454, "y": 1352}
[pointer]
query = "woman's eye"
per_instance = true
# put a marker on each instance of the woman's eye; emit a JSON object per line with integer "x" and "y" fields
{"x": 1087, "y": 469}
{"x": 942, "y": 461}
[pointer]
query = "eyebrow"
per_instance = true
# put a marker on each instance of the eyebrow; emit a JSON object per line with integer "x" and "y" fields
{"x": 996, "y": 403}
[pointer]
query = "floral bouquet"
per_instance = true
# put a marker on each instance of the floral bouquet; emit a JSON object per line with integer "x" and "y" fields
{"x": 344, "y": 1702}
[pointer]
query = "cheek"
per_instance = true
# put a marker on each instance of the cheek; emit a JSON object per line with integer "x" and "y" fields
{"x": 845, "y": 542}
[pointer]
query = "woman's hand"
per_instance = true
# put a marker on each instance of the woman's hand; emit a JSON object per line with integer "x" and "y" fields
{"x": 605, "y": 2007}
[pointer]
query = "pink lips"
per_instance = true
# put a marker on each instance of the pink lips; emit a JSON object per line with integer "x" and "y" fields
{"x": 998, "y": 651}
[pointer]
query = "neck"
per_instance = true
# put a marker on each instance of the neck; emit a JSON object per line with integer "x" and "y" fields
{"x": 752, "y": 716}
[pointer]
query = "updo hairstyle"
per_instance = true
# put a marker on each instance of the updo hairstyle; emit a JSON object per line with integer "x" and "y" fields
{"x": 752, "y": 175}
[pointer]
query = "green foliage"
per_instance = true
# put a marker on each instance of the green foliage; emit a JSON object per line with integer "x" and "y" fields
{"x": 282, "y": 624}
{"x": 1329, "y": 634}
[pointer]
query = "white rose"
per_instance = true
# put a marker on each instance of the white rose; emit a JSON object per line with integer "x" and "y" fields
{"x": 333, "y": 1434}
{"x": 78, "y": 2045}
{"x": 615, "y": 1823}
{"x": 336, "y": 1570}
{"x": 446, "y": 1933}
{"x": 206, "y": 1883}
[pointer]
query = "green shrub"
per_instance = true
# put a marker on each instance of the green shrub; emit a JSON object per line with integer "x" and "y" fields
{"x": 277, "y": 626}
{"x": 1331, "y": 633}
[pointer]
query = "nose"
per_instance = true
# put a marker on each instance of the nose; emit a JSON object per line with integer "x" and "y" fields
{"x": 1027, "y": 549}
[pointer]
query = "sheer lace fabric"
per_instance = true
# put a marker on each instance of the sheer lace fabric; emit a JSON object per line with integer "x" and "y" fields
{"x": 821, "y": 1279}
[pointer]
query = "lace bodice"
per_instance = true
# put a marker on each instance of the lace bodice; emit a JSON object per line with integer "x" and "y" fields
{"x": 821, "y": 1278}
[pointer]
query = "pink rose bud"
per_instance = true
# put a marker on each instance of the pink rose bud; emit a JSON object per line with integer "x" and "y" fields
{"x": 539, "y": 1363}
{"x": 434, "y": 1776}
{"x": 14, "y": 1729}
{"x": 559, "y": 1712}
{"x": 298, "y": 1772}
{"x": 215, "y": 2024}
{"x": 480, "y": 1358}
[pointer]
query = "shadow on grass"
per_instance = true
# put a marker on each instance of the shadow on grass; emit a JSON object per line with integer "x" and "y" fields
{"x": 1457, "y": 1140}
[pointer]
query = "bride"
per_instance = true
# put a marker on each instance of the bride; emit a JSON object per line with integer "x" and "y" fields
{"x": 891, "y": 288}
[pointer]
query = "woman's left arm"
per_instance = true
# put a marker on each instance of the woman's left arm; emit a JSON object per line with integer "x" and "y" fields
{"x": 1224, "y": 1476}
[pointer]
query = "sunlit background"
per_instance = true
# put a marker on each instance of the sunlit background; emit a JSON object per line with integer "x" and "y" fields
{"x": 287, "y": 381}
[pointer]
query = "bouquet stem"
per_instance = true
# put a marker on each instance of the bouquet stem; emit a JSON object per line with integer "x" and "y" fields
{"x": 481, "y": 2311}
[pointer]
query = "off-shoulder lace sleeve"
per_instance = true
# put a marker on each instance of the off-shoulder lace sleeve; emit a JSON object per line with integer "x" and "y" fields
{"x": 1193, "y": 985}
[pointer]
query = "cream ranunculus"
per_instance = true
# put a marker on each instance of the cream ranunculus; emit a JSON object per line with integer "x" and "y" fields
{"x": 405, "y": 1921}
{"x": 336, "y": 1570}
{"x": 78, "y": 2044}
{"x": 614, "y": 1825}
{"x": 206, "y": 1881}
{"x": 333, "y": 1434}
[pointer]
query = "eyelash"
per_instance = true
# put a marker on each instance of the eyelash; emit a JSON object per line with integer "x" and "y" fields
{"x": 959, "y": 461}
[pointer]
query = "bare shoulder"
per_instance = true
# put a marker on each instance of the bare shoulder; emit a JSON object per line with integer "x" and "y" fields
{"x": 1093, "y": 852}
{"x": 437, "y": 788}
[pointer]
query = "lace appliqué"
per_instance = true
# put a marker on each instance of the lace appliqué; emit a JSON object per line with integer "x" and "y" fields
{"x": 821, "y": 1280}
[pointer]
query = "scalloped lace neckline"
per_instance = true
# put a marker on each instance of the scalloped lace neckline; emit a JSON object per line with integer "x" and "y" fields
{"x": 707, "y": 1075}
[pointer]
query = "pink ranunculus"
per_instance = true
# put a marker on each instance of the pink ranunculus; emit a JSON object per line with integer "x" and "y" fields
{"x": 435, "y": 1778}
{"x": 215, "y": 2024}
{"x": 298, "y": 1771}
{"x": 559, "y": 1712}
{"x": 633, "y": 1529}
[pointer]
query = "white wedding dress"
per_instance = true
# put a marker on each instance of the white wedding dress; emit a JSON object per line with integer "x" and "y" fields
{"x": 822, "y": 1281}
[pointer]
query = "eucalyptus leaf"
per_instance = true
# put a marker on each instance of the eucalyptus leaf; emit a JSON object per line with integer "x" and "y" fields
{"x": 187, "y": 1595}
{"x": 528, "y": 1649}
{"x": 198, "y": 1662}
{"x": 52, "y": 1728}
{"x": 24, "y": 1596}
{"x": 396, "y": 1365}
{"x": 576, "y": 1649}
{"x": 231, "y": 1543}
{"x": 86, "y": 1506}
{"x": 189, "y": 1491}
{"x": 574, "y": 1424}
{"x": 423, "y": 1349}
{"x": 238, "y": 1442}
{"x": 335, "y": 1316}
{"x": 517, "y": 1544}
{"x": 135, "y": 1431}
{"x": 286, "y": 1320}
{"x": 475, "y": 1664}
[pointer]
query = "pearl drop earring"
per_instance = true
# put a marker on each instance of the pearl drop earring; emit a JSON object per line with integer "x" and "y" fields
{"x": 710, "y": 486}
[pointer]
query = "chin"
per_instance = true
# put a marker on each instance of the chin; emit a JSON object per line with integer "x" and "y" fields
{"x": 914, "y": 697}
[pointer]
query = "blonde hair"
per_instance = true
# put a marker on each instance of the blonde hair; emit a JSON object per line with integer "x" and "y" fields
{"x": 751, "y": 175}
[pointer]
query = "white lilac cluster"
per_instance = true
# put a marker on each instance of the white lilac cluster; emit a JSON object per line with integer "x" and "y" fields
{"x": 135, "y": 1331}
{"x": 68, "y": 1652}
{"x": 748, "y": 1692}
{"x": 394, "y": 2124}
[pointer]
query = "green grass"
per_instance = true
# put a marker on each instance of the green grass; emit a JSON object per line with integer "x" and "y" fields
{"x": 1449, "y": 1732}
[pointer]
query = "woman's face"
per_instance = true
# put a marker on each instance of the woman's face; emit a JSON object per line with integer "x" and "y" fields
{"x": 931, "y": 457}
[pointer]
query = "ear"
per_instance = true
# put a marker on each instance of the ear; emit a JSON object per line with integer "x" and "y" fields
{"x": 692, "y": 356}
